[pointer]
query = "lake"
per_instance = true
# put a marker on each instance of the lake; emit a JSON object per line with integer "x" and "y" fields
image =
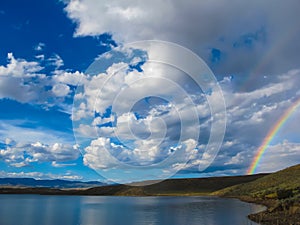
{"x": 110, "y": 210}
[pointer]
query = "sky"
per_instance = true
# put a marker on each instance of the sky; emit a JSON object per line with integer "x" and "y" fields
{"x": 134, "y": 90}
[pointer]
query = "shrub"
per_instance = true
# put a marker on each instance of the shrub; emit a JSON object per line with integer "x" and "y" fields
{"x": 272, "y": 195}
{"x": 284, "y": 193}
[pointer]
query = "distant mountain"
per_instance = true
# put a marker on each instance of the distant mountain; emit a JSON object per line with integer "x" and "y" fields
{"x": 30, "y": 182}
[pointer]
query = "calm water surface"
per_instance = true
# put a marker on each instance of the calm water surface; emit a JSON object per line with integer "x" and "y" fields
{"x": 98, "y": 210}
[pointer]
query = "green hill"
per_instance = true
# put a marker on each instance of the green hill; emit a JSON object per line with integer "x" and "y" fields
{"x": 191, "y": 186}
{"x": 280, "y": 191}
{"x": 271, "y": 186}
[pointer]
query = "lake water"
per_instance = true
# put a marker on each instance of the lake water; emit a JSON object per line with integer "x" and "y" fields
{"x": 99, "y": 210}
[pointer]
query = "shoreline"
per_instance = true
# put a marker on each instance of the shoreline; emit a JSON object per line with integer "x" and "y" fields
{"x": 273, "y": 214}
{"x": 255, "y": 217}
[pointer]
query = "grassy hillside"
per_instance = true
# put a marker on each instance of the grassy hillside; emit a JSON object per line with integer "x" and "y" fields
{"x": 279, "y": 185}
{"x": 280, "y": 191}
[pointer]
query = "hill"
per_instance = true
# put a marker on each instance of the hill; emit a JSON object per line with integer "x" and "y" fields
{"x": 280, "y": 191}
{"x": 268, "y": 186}
{"x": 191, "y": 186}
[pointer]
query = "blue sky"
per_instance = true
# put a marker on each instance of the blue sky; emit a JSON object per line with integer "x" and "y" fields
{"x": 53, "y": 51}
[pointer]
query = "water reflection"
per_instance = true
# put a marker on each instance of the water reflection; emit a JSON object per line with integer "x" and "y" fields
{"x": 96, "y": 210}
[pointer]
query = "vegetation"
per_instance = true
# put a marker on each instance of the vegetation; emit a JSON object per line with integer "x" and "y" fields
{"x": 279, "y": 191}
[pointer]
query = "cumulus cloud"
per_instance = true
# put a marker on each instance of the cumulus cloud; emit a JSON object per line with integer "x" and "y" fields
{"x": 113, "y": 104}
{"x": 247, "y": 35}
{"x": 97, "y": 155}
{"x": 23, "y": 154}
{"x": 25, "y": 82}
{"x": 137, "y": 116}
{"x": 60, "y": 90}
{"x": 22, "y": 81}
{"x": 40, "y": 144}
{"x": 256, "y": 112}
{"x": 19, "y": 67}
{"x": 249, "y": 113}
{"x": 69, "y": 78}
{"x": 242, "y": 39}
{"x": 279, "y": 156}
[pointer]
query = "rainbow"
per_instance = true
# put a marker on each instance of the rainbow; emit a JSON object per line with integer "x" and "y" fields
{"x": 272, "y": 132}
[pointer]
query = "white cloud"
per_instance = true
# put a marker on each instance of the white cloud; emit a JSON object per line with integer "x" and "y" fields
{"x": 69, "y": 78}
{"x": 56, "y": 60}
{"x": 236, "y": 160}
{"x": 25, "y": 82}
{"x": 61, "y": 90}
{"x": 40, "y": 57}
{"x": 97, "y": 156}
{"x": 254, "y": 107}
{"x": 250, "y": 117}
{"x": 40, "y": 144}
{"x": 16, "y": 80}
{"x": 246, "y": 32}
{"x": 279, "y": 156}
{"x": 104, "y": 154}
{"x": 40, "y": 46}
{"x": 149, "y": 139}
{"x": 23, "y": 154}
{"x": 59, "y": 165}
{"x": 19, "y": 68}
{"x": 146, "y": 140}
